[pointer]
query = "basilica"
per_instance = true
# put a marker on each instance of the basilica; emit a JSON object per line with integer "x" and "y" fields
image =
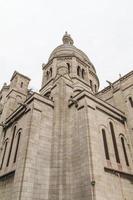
{"x": 69, "y": 141}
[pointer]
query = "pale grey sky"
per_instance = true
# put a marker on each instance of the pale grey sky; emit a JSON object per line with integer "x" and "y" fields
{"x": 31, "y": 29}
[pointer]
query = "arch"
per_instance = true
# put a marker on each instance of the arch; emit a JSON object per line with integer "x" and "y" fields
{"x": 78, "y": 71}
{"x": 47, "y": 94}
{"x": 47, "y": 75}
{"x": 83, "y": 73}
{"x": 130, "y": 101}
{"x": 105, "y": 144}
{"x": 21, "y": 84}
{"x": 124, "y": 149}
{"x": 11, "y": 145}
{"x": 114, "y": 142}
{"x": 50, "y": 72}
{"x": 91, "y": 85}
{"x": 69, "y": 68}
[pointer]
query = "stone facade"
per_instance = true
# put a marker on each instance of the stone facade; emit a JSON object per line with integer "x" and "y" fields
{"x": 68, "y": 141}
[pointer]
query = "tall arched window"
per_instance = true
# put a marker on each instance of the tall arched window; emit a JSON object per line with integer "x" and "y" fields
{"x": 83, "y": 73}
{"x": 69, "y": 68}
{"x": 21, "y": 85}
{"x": 78, "y": 71}
{"x": 124, "y": 151}
{"x": 11, "y": 145}
{"x": 50, "y": 72}
{"x": 131, "y": 101}
{"x": 91, "y": 85}
{"x": 17, "y": 146}
{"x": 105, "y": 145}
{"x": 114, "y": 143}
{"x": 47, "y": 75}
{"x": 3, "y": 157}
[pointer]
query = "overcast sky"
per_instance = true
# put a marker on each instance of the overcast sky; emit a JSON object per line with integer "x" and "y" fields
{"x": 31, "y": 29}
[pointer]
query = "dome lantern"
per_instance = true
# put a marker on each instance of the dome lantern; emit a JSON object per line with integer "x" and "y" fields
{"x": 67, "y": 39}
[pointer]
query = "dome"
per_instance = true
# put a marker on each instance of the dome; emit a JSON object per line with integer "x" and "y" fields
{"x": 68, "y": 49}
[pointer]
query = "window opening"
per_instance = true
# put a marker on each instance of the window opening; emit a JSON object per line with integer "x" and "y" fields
{"x": 51, "y": 72}
{"x": 114, "y": 143}
{"x": 91, "y": 85}
{"x": 16, "y": 151}
{"x": 131, "y": 101}
{"x": 105, "y": 145}
{"x": 69, "y": 68}
{"x": 21, "y": 85}
{"x": 78, "y": 71}
{"x": 83, "y": 73}
{"x": 47, "y": 75}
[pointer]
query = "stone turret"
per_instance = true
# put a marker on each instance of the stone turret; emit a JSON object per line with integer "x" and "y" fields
{"x": 14, "y": 94}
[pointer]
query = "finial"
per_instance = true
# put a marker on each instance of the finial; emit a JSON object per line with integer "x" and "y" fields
{"x": 67, "y": 39}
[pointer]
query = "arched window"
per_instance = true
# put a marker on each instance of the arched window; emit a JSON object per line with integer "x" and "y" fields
{"x": 91, "y": 85}
{"x": 78, "y": 71}
{"x": 114, "y": 143}
{"x": 124, "y": 151}
{"x": 69, "y": 68}
{"x": 11, "y": 145}
{"x": 17, "y": 146}
{"x": 105, "y": 145}
{"x": 131, "y": 101}
{"x": 3, "y": 157}
{"x": 50, "y": 72}
{"x": 83, "y": 73}
{"x": 47, "y": 75}
{"x": 47, "y": 94}
{"x": 21, "y": 85}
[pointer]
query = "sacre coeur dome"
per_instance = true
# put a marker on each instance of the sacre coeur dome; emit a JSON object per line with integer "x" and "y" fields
{"x": 68, "y": 49}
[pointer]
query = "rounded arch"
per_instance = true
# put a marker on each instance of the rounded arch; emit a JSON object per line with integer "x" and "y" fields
{"x": 19, "y": 131}
{"x": 13, "y": 125}
{"x": 109, "y": 119}
{"x": 122, "y": 135}
{"x": 78, "y": 89}
{"x": 102, "y": 126}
